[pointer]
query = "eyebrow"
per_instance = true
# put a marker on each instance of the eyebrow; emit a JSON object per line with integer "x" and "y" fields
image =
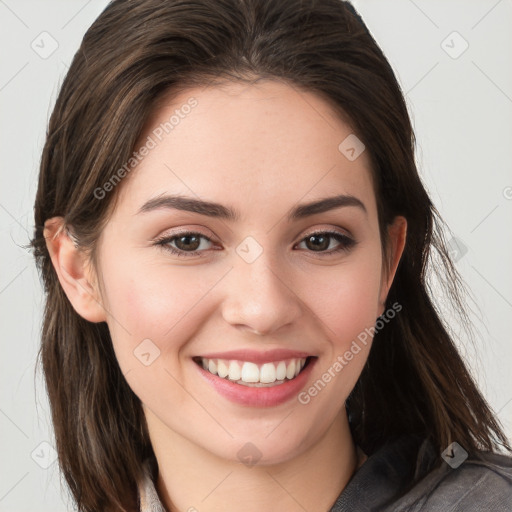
{"x": 220, "y": 211}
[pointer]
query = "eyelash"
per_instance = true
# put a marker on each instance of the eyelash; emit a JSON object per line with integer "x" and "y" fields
{"x": 346, "y": 243}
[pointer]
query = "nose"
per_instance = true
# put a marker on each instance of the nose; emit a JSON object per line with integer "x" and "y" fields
{"x": 260, "y": 297}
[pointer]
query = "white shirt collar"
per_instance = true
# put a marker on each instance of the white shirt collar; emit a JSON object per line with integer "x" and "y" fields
{"x": 149, "y": 500}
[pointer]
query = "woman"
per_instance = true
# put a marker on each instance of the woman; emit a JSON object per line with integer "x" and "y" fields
{"x": 234, "y": 242}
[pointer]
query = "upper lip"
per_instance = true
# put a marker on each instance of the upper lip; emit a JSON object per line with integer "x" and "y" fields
{"x": 256, "y": 356}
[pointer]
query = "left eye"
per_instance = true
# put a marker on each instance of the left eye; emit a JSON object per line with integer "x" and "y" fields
{"x": 190, "y": 243}
{"x": 318, "y": 241}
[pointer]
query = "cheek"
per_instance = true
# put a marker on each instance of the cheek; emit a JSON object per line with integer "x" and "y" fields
{"x": 154, "y": 312}
{"x": 346, "y": 299}
{"x": 155, "y": 302}
{"x": 346, "y": 302}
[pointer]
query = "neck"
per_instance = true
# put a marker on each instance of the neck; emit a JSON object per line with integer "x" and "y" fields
{"x": 193, "y": 479}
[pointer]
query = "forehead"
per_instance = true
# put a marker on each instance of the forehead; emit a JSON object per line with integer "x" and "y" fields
{"x": 265, "y": 144}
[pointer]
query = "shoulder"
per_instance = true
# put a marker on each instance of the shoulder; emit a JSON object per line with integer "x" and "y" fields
{"x": 482, "y": 482}
{"x": 408, "y": 475}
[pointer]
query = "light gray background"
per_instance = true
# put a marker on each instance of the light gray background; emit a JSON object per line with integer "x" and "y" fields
{"x": 461, "y": 109}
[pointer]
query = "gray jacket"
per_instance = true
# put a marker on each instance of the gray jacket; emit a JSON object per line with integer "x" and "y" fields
{"x": 481, "y": 483}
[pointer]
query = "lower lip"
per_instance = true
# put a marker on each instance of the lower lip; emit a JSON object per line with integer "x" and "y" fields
{"x": 258, "y": 397}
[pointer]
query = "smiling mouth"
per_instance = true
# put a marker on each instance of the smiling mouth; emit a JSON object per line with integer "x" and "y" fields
{"x": 251, "y": 374}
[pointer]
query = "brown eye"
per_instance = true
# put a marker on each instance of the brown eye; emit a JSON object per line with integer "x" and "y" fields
{"x": 321, "y": 241}
{"x": 187, "y": 242}
{"x": 184, "y": 244}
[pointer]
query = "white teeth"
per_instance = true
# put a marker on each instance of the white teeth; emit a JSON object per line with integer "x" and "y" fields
{"x": 281, "y": 370}
{"x": 268, "y": 373}
{"x": 290, "y": 370}
{"x": 235, "y": 373}
{"x": 250, "y": 373}
{"x": 222, "y": 368}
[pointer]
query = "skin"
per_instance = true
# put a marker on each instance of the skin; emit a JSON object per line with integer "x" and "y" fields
{"x": 260, "y": 149}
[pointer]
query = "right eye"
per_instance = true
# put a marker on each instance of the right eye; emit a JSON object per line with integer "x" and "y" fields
{"x": 185, "y": 244}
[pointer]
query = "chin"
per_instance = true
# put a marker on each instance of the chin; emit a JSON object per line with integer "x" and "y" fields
{"x": 261, "y": 449}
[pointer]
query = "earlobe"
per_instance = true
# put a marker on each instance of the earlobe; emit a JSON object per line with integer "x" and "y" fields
{"x": 397, "y": 239}
{"x": 74, "y": 271}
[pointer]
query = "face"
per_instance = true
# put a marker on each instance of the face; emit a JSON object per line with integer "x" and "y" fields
{"x": 212, "y": 314}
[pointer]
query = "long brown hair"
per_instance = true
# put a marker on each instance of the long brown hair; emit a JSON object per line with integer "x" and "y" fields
{"x": 135, "y": 52}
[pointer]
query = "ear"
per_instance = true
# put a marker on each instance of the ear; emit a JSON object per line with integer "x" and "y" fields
{"x": 74, "y": 271}
{"x": 397, "y": 234}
